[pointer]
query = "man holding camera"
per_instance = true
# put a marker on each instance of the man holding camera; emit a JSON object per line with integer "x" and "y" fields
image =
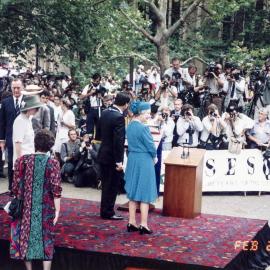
{"x": 214, "y": 81}
{"x": 175, "y": 114}
{"x": 92, "y": 95}
{"x": 266, "y": 75}
{"x": 175, "y": 73}
{"x": 237, "y": 124}
{"x": 166, "y": 94}
{"x": 188, "y": 127}
{"x": 213, "y": 130}
{"x": 234, "y": 87}
{"x": 70, "y": 154}
{"x": 167, "y": 127}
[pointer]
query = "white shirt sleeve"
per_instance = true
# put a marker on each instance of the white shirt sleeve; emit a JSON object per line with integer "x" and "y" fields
{"x": 18, "y": 130}
{"x": 85, "y": 89}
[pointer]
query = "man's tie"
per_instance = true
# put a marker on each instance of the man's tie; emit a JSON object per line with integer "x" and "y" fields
{"x": 190, "y": 135}
{"x": 17, "y": 107}
{"x": 233, "y": 89}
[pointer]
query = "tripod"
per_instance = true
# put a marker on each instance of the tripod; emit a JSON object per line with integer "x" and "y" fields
{"x": 259, "y": 89}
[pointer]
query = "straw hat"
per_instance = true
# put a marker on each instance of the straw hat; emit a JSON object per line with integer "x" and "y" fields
{"x": 30, "y": 102}
{"x": 32, "y": 89}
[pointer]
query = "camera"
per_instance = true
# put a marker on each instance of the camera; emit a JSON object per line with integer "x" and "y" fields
{"x": 256, "y": 75}
{"x": 87, "y": 144}
{"x": 164, "y": 116}
{"x": 176, "y": 76}
{"x": 210, "y": 70}
{"x": 235, "y": 76}
{"x": 213, "y": 114}
{"x": 164, "y": 85}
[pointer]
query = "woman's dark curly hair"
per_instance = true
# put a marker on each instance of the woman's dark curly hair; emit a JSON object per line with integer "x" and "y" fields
{"x": 44, "y": 141}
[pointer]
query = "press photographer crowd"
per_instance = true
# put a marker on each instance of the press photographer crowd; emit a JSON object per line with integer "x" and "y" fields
{"x": 223, "y": 108}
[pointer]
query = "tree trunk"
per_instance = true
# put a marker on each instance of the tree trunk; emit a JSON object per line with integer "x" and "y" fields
{"x": 163, "y": 56}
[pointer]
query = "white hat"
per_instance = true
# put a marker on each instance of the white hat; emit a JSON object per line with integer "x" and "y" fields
{"x": 32, "y": 89}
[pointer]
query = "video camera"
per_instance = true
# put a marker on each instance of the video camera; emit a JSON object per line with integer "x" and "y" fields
{"x": 256, "y": 75}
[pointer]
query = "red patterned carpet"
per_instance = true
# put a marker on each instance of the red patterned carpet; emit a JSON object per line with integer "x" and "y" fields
{"x": 207, "y": 240}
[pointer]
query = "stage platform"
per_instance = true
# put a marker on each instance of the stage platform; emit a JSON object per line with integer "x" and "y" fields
{"x": 84, "y": 241}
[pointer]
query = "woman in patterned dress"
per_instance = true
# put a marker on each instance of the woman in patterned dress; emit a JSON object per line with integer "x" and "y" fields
{"x": 32, "y": 236}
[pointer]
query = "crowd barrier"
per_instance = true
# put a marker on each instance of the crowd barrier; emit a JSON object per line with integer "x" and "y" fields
{"x": 223, "y": 171}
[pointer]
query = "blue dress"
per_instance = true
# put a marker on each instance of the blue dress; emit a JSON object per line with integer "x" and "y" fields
{"x": 140, "y": 171}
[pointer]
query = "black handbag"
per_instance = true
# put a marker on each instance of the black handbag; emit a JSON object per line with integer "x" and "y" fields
{"x": 16, "y": 208}
{"x": 16, "y": 205}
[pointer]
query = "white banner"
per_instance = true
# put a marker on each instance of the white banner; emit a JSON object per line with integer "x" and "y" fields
{"x": 224, "y": 171}
{"x": 247, "y": 171}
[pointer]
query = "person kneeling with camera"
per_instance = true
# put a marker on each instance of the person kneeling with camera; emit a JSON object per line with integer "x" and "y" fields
{"x": 87, "y": 171}
{"x": 188, "y": 127}
{"x": 70, "y": 154}
{"x": 212, "y": 136}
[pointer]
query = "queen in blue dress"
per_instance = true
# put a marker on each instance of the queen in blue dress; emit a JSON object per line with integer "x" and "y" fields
{"x": 140, "y": 178}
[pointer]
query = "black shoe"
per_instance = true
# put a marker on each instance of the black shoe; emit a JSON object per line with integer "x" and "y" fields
{"x": 144, "y": 230}
{"x": 114, "y": 217}
{"x": 132, "y": 228}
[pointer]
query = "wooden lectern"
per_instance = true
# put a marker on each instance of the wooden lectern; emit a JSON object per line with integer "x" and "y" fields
{"x": 183, "y": 183}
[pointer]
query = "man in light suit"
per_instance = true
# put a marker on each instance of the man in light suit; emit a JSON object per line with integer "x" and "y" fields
{"x": 10, "y": 109}
{"x": 111, "y": 132}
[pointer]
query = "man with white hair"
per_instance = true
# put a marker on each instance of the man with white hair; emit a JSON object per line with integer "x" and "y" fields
{"x": 259, "y": 135}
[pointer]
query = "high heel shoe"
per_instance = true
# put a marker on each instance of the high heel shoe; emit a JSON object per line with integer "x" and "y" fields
{"x": 144, "y": 230}
{"x": 132, "y": 228}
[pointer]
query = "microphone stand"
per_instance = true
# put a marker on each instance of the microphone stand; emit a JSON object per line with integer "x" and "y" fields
{"x": 185, "y": 155}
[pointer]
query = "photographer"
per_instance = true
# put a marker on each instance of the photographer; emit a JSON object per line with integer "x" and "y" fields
{"x": 237, "y": 124}
{"x": 175, "y": 68}
{"x": 259, "y": 135}
{"x": 234, "y": 87}
{"x": 266, "y": 80}
{"x": 214, "y": 81}
{"x": 188, "y": 127}
{"x": 92, "y": 95}
{"x": 87, "y": 170}
{"x": 213, "y": 130}
{"x": 166, "y": 94}
{"x": 167, "y": 127}
{"x": 70, "y": 153}
{"x": 175, "y": 114}
{"x": 145, "y": 93}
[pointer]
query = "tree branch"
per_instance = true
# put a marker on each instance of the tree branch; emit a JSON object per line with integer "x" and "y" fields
{"x": 206, "y": 10}
{"x": 138, "y": 28}
{"x": 131, "y": 55}
{"x": 182, "y": 19}
{"x": 155, "y": 10}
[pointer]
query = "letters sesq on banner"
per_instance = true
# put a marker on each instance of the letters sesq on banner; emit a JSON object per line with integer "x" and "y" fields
{"x": 224, "y": 171}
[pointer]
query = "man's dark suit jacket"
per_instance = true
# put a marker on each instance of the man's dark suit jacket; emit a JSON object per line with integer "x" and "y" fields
{"x": 111, "y": 132}
{"x": 7, "y": 117}
{"x": 52, "y": 119}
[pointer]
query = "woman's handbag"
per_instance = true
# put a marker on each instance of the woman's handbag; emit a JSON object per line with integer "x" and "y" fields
{"x": 16, "y": 205}
{"x": 16, "y": 208}
{"x": 235, "y": 142}
{"x": 235, "y": 145}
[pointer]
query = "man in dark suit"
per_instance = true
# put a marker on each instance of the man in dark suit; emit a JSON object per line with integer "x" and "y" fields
{"x": 10, "y": 109}
{"x": 111, "y": 132}
{"x": 92, "y": 95}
